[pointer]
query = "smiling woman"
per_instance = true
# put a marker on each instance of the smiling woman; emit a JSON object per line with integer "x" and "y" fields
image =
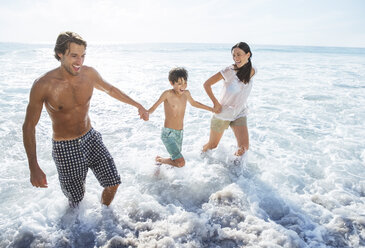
{"x": 231, "y": 109}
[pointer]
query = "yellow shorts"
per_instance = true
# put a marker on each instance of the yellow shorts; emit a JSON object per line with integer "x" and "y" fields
{"x": 219, "y": 125}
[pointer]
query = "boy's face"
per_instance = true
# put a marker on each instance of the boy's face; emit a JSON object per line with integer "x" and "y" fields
{"x": 179, "y": 86}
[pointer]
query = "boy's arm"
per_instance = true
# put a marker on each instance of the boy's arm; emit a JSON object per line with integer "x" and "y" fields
{"x": 158, "y": 102}
{"x": 196, "y": 103}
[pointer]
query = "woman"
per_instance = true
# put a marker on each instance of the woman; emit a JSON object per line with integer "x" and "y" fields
{"x": 231, "y": 110}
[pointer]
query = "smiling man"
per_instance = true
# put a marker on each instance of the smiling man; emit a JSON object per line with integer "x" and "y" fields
{"x": 66, "y": 93}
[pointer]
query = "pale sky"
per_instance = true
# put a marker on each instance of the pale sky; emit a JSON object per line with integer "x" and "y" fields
{"x": 268, "y": 22}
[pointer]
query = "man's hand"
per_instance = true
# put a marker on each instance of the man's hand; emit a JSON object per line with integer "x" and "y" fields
{"x": 38, "y": 178}
{"x": 143, "y": 113}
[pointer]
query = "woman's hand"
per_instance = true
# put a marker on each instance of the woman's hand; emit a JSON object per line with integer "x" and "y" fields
{"x": 217, "y": 108}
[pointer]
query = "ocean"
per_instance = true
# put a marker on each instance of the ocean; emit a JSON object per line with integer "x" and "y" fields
{"x": 301, "y": 184}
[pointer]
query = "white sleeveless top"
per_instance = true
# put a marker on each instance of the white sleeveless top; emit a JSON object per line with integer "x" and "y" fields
{"x": 234, "y": 95}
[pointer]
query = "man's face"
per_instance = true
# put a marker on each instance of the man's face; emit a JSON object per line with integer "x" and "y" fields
{"x": 73, "y": 58}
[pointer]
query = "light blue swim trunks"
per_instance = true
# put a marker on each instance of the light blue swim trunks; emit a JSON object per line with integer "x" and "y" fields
{"x": 172, "y": 139}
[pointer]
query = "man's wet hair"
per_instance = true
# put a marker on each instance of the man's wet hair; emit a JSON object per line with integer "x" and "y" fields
{"x": 63, "y": 42}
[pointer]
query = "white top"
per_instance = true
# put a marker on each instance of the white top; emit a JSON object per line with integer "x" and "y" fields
{"x": 234, "y": 95}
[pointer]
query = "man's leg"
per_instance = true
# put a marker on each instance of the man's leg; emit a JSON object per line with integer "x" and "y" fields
{"x": 108, "y": 194}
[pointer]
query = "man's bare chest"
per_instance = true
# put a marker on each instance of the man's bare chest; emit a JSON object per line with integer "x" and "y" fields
{"x": 65, "y": 97}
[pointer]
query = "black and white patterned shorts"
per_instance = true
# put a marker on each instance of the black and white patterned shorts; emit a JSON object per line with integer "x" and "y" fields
{"x": 74, "y": 157}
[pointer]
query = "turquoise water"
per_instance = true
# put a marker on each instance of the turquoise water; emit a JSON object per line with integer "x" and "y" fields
{"x": 302, "y": 183}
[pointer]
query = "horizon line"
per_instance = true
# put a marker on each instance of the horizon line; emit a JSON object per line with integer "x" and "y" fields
{"x": 177, "y": 42}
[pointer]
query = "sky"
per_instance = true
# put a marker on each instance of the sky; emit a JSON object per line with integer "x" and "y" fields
{"x": 339, "y": 23}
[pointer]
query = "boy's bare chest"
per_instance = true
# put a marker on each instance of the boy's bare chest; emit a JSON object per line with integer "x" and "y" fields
{"x": 176, "y": 104}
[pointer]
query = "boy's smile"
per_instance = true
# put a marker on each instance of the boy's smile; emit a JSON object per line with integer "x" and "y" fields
{"x": 179, "y": 86}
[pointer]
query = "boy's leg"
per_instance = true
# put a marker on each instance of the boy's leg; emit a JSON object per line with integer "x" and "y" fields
{"x": 108, "y": 194}
{"x": 173, "y": 143}
{"x": 180, "y": 162}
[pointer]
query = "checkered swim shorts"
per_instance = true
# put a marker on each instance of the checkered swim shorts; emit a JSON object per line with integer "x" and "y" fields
{"x": 74, "y": 157}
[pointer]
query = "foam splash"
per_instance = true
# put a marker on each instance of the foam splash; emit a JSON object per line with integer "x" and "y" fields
{"x": 301, "y": 184}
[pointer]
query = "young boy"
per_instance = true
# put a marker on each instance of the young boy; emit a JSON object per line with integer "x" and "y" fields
{"x": 174, "y": 105}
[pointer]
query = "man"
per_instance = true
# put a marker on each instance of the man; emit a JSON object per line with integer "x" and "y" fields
{"x": 66, "y": 93}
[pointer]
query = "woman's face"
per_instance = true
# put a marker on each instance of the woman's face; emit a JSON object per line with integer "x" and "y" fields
{"x": 240, "y": 58}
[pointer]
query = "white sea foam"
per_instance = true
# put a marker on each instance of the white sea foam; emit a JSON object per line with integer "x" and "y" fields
{"x": 301, "y": 184}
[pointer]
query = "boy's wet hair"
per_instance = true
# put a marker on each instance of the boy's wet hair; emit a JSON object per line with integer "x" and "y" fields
{"x": 176, "y": 73}
{"x": 63, "y": 42}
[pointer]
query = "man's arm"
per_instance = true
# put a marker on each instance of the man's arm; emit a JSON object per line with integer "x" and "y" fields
{"x": 158, "y": 102}
{"x": 196, "y": 103}
{"x": 102, "y": 85}
{"x": 34, "y": 109}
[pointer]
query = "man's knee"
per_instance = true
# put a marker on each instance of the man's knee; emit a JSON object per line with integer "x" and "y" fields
{"x": 112, "y": 189}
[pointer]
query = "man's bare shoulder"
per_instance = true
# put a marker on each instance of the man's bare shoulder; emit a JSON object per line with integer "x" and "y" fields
{"x": 88, "y": 69}
{"x": 47, "y": 78}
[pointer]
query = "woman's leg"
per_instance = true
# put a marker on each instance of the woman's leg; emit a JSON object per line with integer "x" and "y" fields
{"x": 214, "y": 139}
{"x": 241, "y": 133}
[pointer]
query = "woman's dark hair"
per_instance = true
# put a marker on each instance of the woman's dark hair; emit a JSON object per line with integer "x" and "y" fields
{"x": 244, "y": 73}
{"x": 63, "y": 42}
{"x": 176, "y": 73}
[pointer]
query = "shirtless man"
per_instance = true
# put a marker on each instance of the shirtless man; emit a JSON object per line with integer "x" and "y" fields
{"x": 174, "y": 105}
{"x": 66, "y": 93}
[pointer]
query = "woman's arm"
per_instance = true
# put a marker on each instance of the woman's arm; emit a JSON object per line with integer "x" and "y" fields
{"x": 208, "y": 88}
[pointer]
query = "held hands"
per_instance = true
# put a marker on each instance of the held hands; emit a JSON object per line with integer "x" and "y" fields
{"x": 143, "y": 114}
{"x": 217, "y": 108}
{"x": 38, "y": 178}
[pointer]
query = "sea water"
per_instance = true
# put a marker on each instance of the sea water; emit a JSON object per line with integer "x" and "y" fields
{"x": 301, "y": 184}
